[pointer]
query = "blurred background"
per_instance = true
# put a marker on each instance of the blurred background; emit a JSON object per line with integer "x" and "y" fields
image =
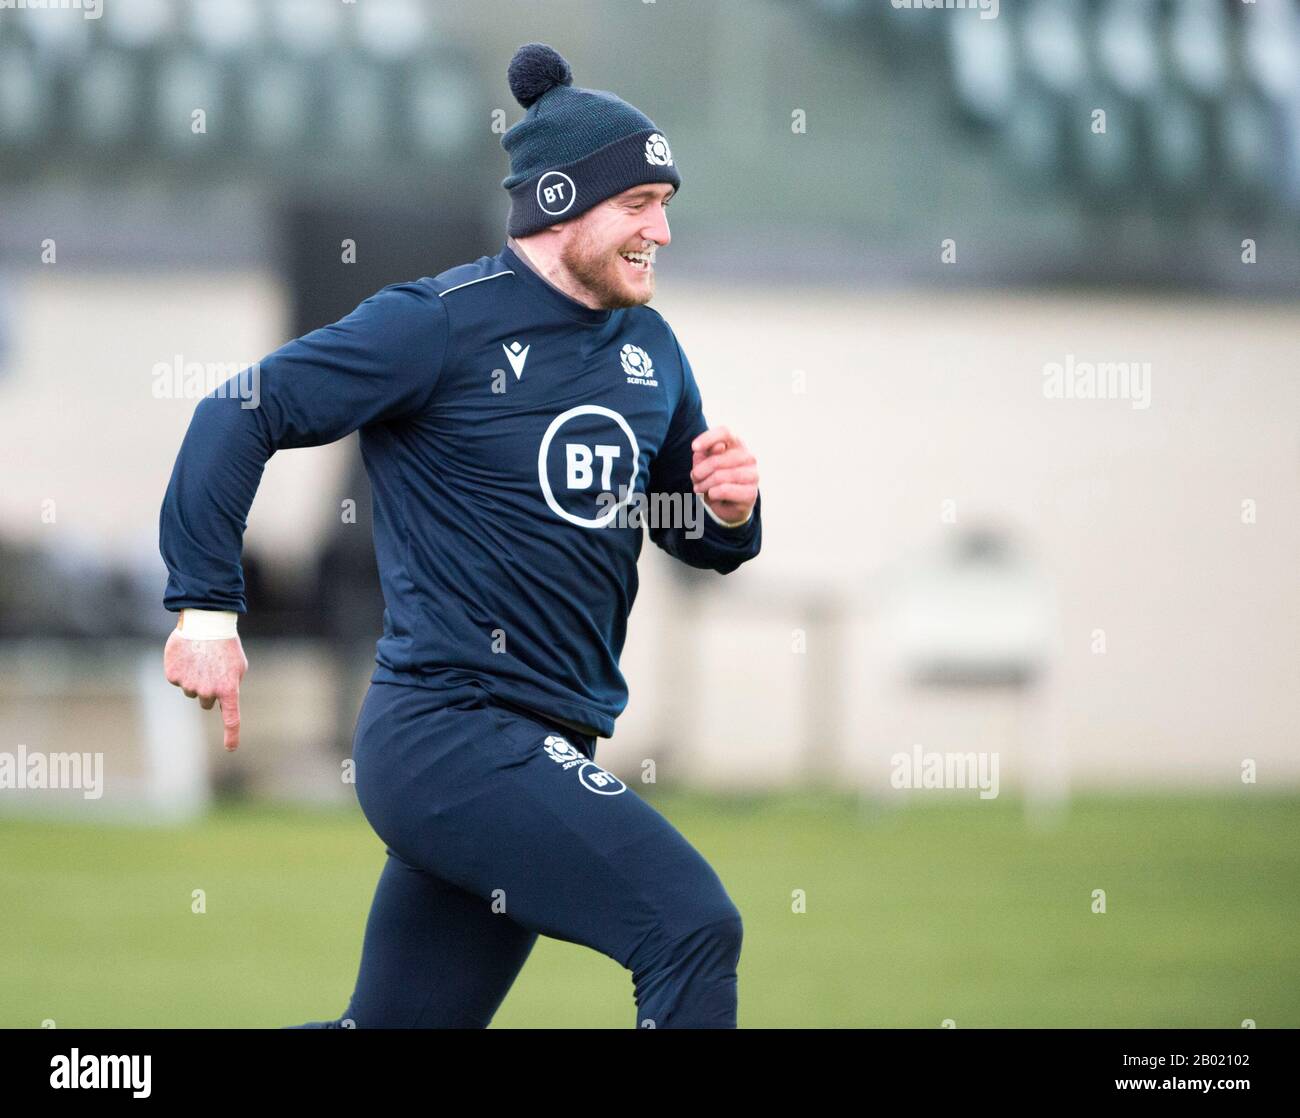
{"x": 1002, "y": 726}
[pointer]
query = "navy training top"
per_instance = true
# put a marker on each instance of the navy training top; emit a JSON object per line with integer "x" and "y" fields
{"x": 515, "y": 440}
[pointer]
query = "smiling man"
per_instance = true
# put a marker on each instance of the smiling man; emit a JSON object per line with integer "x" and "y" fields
{"x": 588, "y": 260}
{"x": 500, "y": 405}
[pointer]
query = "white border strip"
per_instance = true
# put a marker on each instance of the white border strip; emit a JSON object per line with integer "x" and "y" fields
{"x": 481, "y": 279}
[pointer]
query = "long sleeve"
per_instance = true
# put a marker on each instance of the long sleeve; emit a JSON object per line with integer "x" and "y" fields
{"x": 378, "y": 364}
{"x": 717, "y": 547}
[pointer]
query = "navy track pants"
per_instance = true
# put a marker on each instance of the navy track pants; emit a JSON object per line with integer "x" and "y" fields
{"x": 500, "y": 826}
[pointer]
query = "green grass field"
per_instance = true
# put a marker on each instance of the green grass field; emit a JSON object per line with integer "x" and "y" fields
{"x": 914, "y": 914}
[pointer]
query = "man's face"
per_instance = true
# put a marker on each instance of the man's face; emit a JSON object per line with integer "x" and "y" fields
{"x": 597, "y": 250}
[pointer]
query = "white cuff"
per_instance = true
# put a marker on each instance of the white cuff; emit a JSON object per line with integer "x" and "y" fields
{"x": 208, "y": 624}
{"x": 727, "y": 523}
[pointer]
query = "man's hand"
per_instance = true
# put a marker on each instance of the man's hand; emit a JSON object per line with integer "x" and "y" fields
{"x": 210, "y": 671}
{"x": 725, "y": 473}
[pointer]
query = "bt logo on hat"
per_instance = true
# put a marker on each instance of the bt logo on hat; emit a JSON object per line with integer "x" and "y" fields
{"x": 555, "y": 192}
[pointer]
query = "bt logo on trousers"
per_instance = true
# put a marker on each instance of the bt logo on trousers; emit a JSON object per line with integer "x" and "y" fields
{"x": 590, "y": 775}
{"x": 587, "y": 451}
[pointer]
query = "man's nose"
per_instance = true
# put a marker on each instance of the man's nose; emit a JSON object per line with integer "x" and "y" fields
{"x": 657, "y": 227}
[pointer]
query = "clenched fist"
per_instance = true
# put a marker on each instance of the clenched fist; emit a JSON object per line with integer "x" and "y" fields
{"x": 725, "y": 473}
{"x": 210, "y": 671}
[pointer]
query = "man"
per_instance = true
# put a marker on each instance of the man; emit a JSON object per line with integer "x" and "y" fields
{"x": 510, "y": 411}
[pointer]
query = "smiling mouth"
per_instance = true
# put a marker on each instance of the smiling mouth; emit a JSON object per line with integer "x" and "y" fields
{"x": 641, "y": 262}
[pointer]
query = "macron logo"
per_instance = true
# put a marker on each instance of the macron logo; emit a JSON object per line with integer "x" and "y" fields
{"x": 517, "y": 357}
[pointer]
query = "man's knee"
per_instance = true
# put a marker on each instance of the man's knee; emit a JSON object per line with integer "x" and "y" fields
{"x": 724, "y": 937}
{"x": 690, "y": 981}
{"x": 712, "y": 944}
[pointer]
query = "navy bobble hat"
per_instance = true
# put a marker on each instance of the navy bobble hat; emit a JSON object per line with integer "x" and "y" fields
{"x": 574, "y": 147}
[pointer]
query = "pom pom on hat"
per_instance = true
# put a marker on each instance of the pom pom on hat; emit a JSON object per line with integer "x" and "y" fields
{"x": 535, "y": 69}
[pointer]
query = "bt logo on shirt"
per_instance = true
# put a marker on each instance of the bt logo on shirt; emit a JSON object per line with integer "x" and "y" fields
{"x": 579, "y": 457}
{"x": 597, "y": 453}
